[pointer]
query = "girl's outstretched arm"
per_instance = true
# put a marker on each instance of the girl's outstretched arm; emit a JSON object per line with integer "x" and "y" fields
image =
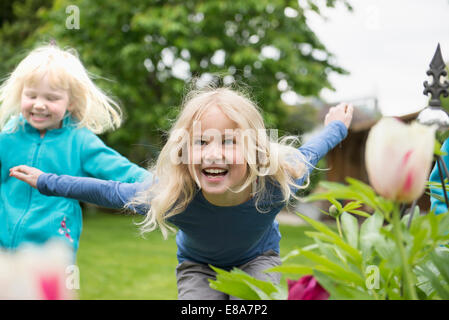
{"x": 26, "y": 174}
{"x": 342, "y": 112}
{"x": 337, "y": 122}
{"x": 110, "y": 194}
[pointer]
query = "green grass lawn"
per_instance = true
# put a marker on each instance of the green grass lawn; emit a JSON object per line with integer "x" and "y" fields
{"x": 117, "y": 263}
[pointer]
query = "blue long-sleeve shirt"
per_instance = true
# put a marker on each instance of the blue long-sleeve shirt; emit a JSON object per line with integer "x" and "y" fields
{"x": 222, "y": 236}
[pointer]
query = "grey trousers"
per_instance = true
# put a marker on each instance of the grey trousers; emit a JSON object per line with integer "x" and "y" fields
{"x": 192, "y": 278}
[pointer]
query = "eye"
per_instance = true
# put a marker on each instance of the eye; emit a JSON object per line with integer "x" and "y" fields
{"x": 53, "y": 98}
{"x": 30, "y": 95}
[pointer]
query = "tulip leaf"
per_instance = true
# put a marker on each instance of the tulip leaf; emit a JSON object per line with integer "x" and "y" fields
{"x": 350, "y": 227}
{"x": 437, "y": 196}
{"x": 436, "y": 185}
{"x": 325, "y": 212}
{"x": 443, "y": 225}
{"x": 324, "y": 264}
{"x": 266, "y": 286}
{"x": 336, "y": 203}
{"x": 340, "y": 255}
{"x": 405, "y": 219}
{"x": 352, "y": 205}
{"x": 240, "y": 284}
{"x": 419, "y": 243}
{"x": 236, "y": 288}
{"x": 335, "y": 191}
{"x": 386, "y": 206}
{"x": 339, "y": 290}
{"x": 440, "y": 259}
{"x": 330, "y": 250}
{"x": 353, "y": 253}
{"x": 318, "y": 225}
{"x": 292, "y": 269}
{"x": 369, "y": 230}
{"x": 359, "y": 213}
{"x": 262, "y": 295}
{"x": 387, "y": 250}
{"x": 431, "y": 272}
{"x": 366, "y": 193}
{"x": 433, "y": 222}
{"x": 291, "y": 254}
{"x": 437, "y": 149}
{"x": 318, "y": 235}
{"x": 362, "y": 187}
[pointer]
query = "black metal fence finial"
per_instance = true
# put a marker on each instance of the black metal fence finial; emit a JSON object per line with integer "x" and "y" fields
{"x": 433, "y": 113}
{"x": 436, "y": 88}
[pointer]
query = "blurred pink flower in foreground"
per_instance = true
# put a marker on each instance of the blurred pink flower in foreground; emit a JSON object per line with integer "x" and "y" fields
{"x": 306, "y": 288}
{"x": 398, "y": 158}
{"x": 36, "y": 272}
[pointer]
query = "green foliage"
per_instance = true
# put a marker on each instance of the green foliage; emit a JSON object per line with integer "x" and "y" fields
{"x": 435, "y": 274}
{"x": 18, "y": 22}
{"x": 382, "y": 258}
{"x": 240, "y": 284}
{"x": 138, "y": 44}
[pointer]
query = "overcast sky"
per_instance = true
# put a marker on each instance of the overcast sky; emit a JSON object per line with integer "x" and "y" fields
{"x": 387, "y": 46}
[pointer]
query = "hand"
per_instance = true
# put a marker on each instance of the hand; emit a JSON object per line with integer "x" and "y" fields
{"x": 342, "y": 112}
{"x": 26, "y": 174}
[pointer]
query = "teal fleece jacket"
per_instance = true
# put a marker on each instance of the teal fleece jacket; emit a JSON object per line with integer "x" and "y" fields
{"x": 436, "y": 203}
{"x": 26, "y": 215}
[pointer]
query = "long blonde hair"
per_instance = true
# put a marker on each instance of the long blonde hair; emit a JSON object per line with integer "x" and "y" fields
{"x": 174, "y": 187}
{"x": 90, "y": 106}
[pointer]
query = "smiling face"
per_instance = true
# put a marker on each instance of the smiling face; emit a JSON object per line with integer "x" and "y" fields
{"x": 218, "y": 160}
{"x": 43, "y": 105}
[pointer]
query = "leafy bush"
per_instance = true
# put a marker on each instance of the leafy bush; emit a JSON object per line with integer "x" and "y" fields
{"x": 387, "y": 256}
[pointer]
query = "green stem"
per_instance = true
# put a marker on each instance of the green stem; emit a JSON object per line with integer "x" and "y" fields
{"x": 339, "y": 227}
{"x": 407, "y": 272}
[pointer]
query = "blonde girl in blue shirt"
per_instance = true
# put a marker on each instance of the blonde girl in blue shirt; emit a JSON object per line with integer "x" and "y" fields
{"x": 50, "y": 111}
{"x": 220, "y": 179}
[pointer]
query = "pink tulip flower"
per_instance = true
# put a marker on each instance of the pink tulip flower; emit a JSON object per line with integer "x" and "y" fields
{"x": 37, "y": 272}
{"x": 398, "y": 158}
{"x": 306, "y": 288}
{"x": 50, "y": 286}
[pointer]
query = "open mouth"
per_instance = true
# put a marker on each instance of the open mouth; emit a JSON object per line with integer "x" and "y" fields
{"x": 214, "y": 173}
{"x": 38, "y": 117}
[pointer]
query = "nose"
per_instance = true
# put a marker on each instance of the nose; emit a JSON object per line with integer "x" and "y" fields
{"x": 213, "y": 153}
{"x": 39, "y": 104}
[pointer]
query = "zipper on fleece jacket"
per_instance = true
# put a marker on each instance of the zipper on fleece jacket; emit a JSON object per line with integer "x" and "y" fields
{"x": 16, "y": 233}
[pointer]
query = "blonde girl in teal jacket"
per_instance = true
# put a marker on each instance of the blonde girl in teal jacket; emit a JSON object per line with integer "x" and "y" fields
{"x": 50, "y": 111}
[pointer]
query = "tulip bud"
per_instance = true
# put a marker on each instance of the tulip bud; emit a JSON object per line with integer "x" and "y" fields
{"x": 398, "y": 158}
{"x": 333, "y": 211}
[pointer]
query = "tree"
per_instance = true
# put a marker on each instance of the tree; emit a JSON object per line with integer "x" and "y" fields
{"x": 150, "y": 49}
{"x": 18, "y": 21}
